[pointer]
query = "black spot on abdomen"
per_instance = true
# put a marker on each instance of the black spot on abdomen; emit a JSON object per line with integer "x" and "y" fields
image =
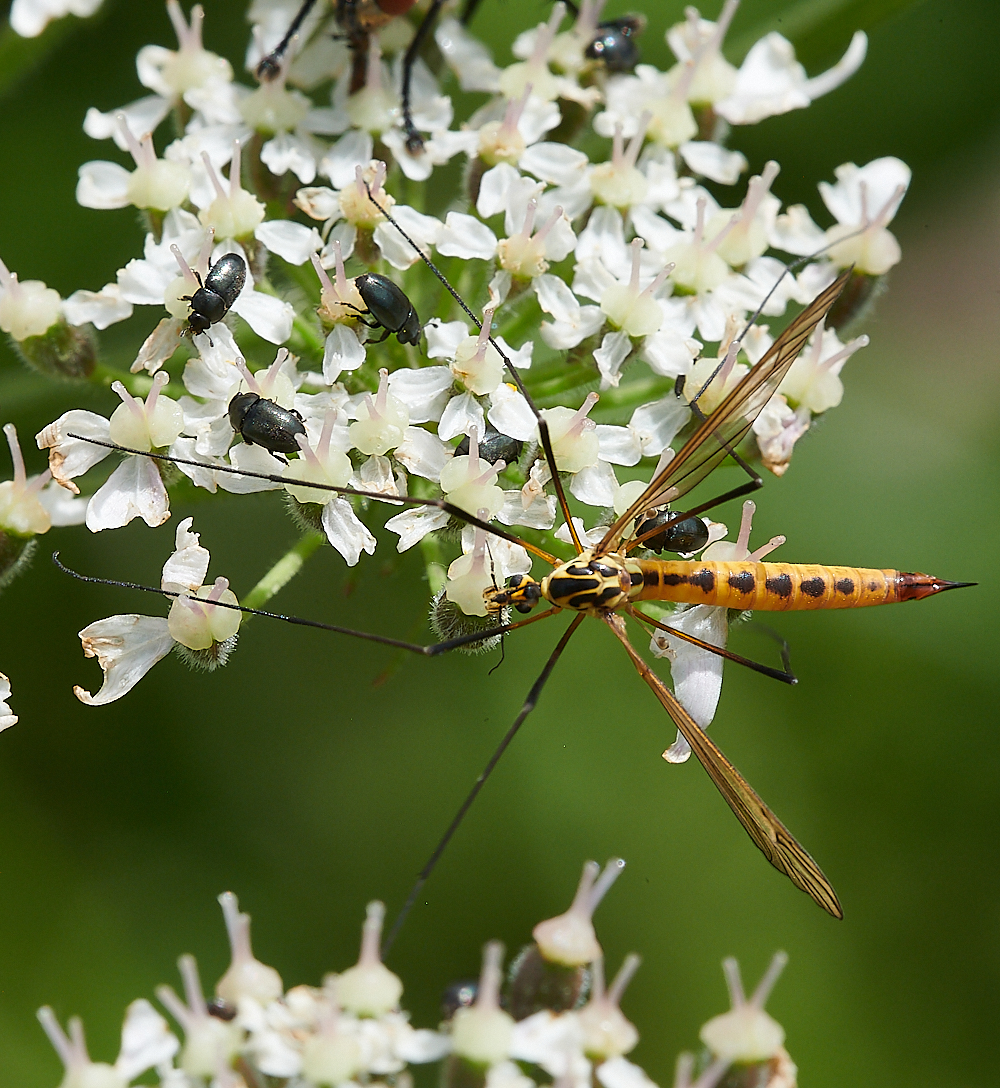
{"x": 743, "y": 582}
{"x": 845, "y": 586}
{"x": 703, "y": 580}
{"x": 781, "y": 584}
{"x": 813, "y": 587}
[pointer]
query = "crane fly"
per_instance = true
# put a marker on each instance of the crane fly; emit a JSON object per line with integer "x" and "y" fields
{"x": 605, "y": 582}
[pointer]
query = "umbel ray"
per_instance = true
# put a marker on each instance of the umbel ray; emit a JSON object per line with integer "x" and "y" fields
{"x": 607, "y": 583}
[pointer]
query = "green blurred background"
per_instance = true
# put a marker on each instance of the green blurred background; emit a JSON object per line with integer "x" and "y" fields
{"x": 291, "y": 780}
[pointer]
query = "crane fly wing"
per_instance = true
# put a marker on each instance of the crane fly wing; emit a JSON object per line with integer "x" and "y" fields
{"x": 770, "y": 835}
{"x": 729, "y": 424}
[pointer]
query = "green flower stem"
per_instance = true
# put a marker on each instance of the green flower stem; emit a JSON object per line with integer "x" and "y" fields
{"x": 283, "y": 571}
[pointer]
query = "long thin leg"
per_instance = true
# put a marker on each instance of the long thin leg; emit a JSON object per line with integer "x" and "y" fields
{"x": 543, "y": 427}
{"x": 527, "y": 707}
{"x": 270, "y": 65}
{"x": 766, "y": 670}
{"x": 770, "y": 835}
{"x": 433, "y": 650}
{"x": 414, "y": 142}
{"x": 398, "y": 500}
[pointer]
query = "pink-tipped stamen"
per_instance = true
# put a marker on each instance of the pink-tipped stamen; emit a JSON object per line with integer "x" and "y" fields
{"x": 235, "y": 168}
{"x": 635, "y": 144}
{"x": 547, "y": 35}
{"x": 746, "y": 523}
{"x": 188, "y": 37}
{"x": 625, "y": 975}
{"x": 186, "y": 270}
{"x": 612, "y": 871}
{"x": 20, "y": 476}
{"x": 249, "y": 378}
{"x": 766, "y": 984}
{"x": 213, "y": 177}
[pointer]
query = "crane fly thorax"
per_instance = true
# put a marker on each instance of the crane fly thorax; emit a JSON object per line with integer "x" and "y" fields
{"x": 589, "y": 583}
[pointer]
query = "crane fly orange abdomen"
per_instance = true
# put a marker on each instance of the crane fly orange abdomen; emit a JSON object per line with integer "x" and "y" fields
{"x": 779, "y": 587}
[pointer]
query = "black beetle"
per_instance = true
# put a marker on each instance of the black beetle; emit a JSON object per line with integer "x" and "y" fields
{"x": 684, "y": 537}
{"x": 493, "y": 447}
{"x": 614, "y": 43}
{"x": 388, "y": 305}
{"x": 220, "y": 289}
{"x": 264, "y": 423}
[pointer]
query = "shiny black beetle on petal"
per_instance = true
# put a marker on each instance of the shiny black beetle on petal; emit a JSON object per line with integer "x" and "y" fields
{"x": 684, "y": 537}
{"x": 493, "y": 447}
{"x": 614, "y": 43}
{"x": 389, "y": 306}
{"x": 261, "y": 422}
{"x": 219, "y": 290}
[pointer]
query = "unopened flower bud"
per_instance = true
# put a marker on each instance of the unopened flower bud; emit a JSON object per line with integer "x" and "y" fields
{"x": 569, "y": 938}
{"x": 470, "y": 482}
{"x": 369, "y": 988}
{"x": 330, "y": 1057}
{"x": 552, "y": 973}
{"x": 574, "y": 436}
{"x": 607, "y": 1032}
{"x": 355, "y": 204}
{"x": 208, "y": 1040}
{"x": 233, "y": 214}
{"x": 246, "y": 976}
{"x": 81, "y": 1072}
{"x": 197, "y": 623}
{"x": 746, "y": 1034}
{"x": 381, "y": 421}
{"x": 482, "y": 1032}
{"x": 145, "y": 425}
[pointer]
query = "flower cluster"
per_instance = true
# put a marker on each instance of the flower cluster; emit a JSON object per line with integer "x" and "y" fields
{"x": 584, "y": 231}
{"x": 550, "y": 1020}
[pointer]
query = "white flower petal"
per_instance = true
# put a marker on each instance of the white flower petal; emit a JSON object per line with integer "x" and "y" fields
{"x": 72, "y": 457}
{"x": 7, "y": 719}
{"x": 290, "y": 151}
{"x": 188, "y": 564}
{"x": 494, "y": 186}
{"x": 101, "y": 308}
{"x": 423, "y": 453}
{"x": 621, "y": 1073}
{"x": 102, "y": 185}
{"x": 142, "y": 116}
{"x": 443, "y": 337}
{"x": 345, "y": 532}
{"x": 541, "y": 514}
{"x": 466, "y": 237}
{"x": 353, "y": 149}
{"x": 425, "y": 392}
{"x": 126, "y": 647}
{"x": 557, "y": 164}
{"x": 269, "y": 317}
{"x": 713, "y": 162}
{"x": 342, "y": 351}
{"x": 255, "y": 459}
{"x": 460, "y": 416}
{"x": 614, "y": 350}
{"x": 595, "y": 485}
{"x": 423, "y": 229}
{"x": 147, "y": 1040}
{"x": 413, "y": 525}
{"x": 134, "y": 490}
{"x": 619, "y": 445}
{"x": 656, "y": 424}
{"x": 63, "y": 508}
{"x": 511, "y": 414}
{"x": 293, "y": 242}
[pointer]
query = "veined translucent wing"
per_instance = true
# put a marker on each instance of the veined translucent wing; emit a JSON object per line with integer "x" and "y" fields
{"x": 769, "y": 834}
{"x": 729, "y": 424}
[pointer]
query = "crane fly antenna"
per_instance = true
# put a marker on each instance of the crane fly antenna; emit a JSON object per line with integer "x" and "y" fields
{"x": 786, "y": 677}
{"x": 400, "y": 500}
{"x": 526, "y": 708}
{"x": 432, "y": 650}
{"x": 543, "y": 427}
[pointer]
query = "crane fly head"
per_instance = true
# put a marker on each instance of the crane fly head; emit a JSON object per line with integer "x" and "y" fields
{"x": 521, "y": 592}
